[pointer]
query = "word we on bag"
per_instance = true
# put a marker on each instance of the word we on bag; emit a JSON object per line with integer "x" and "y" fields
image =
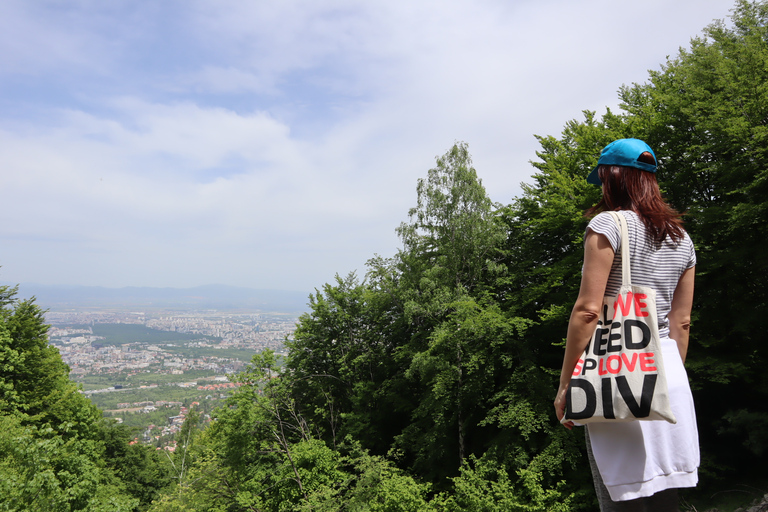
{"x": 618, "y": 354}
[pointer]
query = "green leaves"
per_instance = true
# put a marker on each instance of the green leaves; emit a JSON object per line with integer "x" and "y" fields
{"x": 423, "y": 365}
{"x": 55, "y": 452}
{"x": 40, "y": 470}
{"x": 485, "y": 486}
{"x": 710, "y": 105}
{"x": 451, "y": 227}
{"x": 34, "y": 379}
{"x": 428, "y": 385}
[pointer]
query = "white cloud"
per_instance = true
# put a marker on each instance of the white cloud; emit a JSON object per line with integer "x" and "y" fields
{"x": 272, "y": 144}
{"x": 228, "y": 80}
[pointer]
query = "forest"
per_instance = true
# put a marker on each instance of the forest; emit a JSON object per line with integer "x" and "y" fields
{"x": 427, "y": 383}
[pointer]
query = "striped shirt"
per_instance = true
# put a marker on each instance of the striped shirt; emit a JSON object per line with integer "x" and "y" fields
{"x": 657, "y": 267}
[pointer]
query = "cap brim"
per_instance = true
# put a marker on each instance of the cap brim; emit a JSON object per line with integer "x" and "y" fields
{"x": 593, "y": 178}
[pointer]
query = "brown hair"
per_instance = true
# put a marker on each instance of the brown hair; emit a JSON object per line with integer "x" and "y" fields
{"x": 628, "y": 188}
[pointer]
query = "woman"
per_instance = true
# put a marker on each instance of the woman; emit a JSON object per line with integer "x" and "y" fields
{"x": 637, "y": 465}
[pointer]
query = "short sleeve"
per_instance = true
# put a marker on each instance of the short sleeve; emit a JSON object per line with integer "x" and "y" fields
{"x": 692, "y": 252}
{"x": 604, "y": 224}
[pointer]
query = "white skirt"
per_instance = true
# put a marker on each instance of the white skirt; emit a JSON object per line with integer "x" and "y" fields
{"x": 640, "y": 458}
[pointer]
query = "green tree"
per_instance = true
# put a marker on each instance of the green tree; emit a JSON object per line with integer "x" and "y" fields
{"x": 41, "y": 470}
{"x": 484, "y": 486}
{"x": 452, "y": 228}
{"x": 443, "y": 271}
{"x": 34, "y": 380}
{"x": 707, "y": 113}
{"x": 52, "y": 450}
{"x": 428, "y": 357}
{"x": 142, "y": 469}
{"x": 444, "y": 360}
{"x": 259, "y": 454}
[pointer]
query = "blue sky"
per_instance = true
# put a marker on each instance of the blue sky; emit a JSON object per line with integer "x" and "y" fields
{"x": 275, "y": 144}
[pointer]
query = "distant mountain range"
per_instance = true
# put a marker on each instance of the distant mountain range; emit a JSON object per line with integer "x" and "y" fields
{"x": 201, "y": 297}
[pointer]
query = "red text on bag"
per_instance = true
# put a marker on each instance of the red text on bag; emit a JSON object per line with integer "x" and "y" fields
{"x": 638, "y": 299}
{"x": 614, "y": 363}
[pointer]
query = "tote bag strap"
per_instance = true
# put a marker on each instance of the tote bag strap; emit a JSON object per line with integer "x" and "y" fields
{"x": 621, "y": 221}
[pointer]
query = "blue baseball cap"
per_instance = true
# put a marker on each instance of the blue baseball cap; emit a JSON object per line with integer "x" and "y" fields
{"x": 624, "y": 152}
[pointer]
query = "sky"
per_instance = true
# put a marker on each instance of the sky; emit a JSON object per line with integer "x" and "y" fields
{"x": 275, "y": 144}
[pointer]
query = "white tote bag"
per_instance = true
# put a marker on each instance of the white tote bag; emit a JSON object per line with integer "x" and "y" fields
{"x": 620, "y": 376}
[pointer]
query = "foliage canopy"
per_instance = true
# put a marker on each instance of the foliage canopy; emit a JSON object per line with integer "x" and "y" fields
{"x": 427, "y": 384}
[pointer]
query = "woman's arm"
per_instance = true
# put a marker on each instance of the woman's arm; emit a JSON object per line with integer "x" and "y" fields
{"x": 598, "y": 258}
{"x": 680, "y": 312}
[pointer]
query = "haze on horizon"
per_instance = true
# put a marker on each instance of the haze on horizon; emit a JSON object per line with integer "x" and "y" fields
{"x": 272, "y": 145}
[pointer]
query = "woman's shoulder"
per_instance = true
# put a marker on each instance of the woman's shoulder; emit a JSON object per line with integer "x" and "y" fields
{"x": 601, "y": 220}
{"x": 604, "y": 224}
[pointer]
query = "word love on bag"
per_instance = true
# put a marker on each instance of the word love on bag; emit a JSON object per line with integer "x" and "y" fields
{"x": 619, "y": 354}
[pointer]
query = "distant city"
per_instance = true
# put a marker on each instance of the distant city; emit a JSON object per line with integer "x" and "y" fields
{"x": 147, "y": 357}
{"x": 77, "y": 335}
